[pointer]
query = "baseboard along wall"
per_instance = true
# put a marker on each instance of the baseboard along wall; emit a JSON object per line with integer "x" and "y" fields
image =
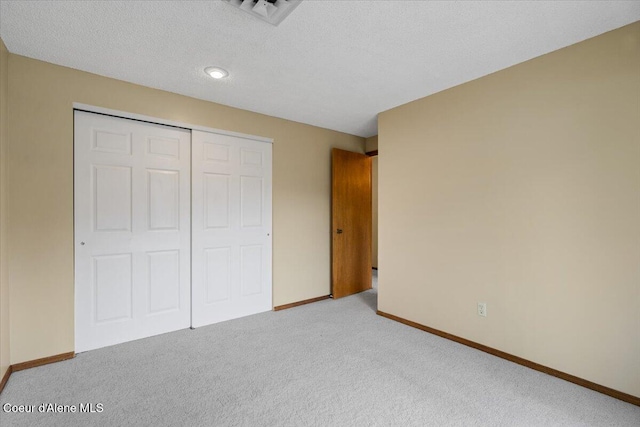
{"x": 296, "y": 304}
{"x": 34, "y": 363}
{"x": 5, "y": 378}
{"x": 634, "y": 400}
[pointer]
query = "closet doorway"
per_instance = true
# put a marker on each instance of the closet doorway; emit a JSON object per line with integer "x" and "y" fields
{"x": 172, "y": 228}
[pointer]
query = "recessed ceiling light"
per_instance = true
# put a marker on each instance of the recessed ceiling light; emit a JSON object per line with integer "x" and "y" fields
{"x": 216, "y": 72}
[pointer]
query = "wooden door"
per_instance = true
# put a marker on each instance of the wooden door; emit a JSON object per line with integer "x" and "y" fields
{"x": 351, "y": 223}
{"x": 132, "y": 230}
{"x": 231, "y": 243}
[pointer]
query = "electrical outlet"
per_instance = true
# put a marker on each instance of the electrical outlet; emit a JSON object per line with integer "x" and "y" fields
{"x": 482, "y": 309}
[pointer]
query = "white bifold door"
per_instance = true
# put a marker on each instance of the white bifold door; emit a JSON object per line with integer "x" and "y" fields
{"x": 132, "y": 229}
{"x": 231, "y": 225}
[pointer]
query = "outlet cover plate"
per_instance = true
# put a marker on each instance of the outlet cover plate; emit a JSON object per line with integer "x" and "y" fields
{"x": 482, "y": 309}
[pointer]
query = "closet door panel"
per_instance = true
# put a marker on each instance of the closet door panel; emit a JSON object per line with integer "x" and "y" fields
{"x": 132, "y": 229}
{"x": 231, "y": 259}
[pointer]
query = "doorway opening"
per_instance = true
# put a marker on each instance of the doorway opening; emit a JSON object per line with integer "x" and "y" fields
{"x": 354, "y": 243}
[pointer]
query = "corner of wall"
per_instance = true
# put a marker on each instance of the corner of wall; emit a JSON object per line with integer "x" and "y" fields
{"x": 4, "y": 284}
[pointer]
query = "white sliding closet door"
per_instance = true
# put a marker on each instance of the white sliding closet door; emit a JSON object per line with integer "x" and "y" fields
{"x": 132, "y": 229}
{"x": 231, "y": 223}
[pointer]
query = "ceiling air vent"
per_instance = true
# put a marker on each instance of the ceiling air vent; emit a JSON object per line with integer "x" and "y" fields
{"x": 271, "y": 11}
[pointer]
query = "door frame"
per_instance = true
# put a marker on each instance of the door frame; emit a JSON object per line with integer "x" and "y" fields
{"x": 77, "y": 106}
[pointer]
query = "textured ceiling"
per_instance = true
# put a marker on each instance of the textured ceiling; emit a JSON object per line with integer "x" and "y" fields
{"x": 334, "y": 64}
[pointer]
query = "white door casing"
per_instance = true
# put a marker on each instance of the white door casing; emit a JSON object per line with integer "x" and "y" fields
{"x": 231, "y": 227}
{"x": 132, "y": 229}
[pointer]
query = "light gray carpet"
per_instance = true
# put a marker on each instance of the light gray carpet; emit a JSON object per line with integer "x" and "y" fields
{"x": 332, "y": 363}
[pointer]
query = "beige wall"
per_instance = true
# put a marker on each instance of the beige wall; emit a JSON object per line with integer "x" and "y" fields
{"x": 4, "y": 283}
{"x": 41, "y": 192}
{"x": 374, "y": 212}
{"x": 371, "y": 143}
{"x": 522, "y": 189}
